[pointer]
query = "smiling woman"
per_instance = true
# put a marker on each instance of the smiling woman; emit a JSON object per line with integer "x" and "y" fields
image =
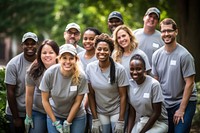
{"x": 63, "y": 87}
{"x": 107, "y": 81}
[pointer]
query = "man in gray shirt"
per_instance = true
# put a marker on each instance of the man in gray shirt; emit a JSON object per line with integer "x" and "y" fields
{"x": 15, "y": 83}
{"x": 72, "y": 35}
{"x": 174, "y": 68}
{"x": 149, "y": 39}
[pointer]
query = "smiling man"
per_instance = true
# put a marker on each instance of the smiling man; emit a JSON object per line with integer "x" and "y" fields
{"x": 114, "y": 19}
{"x": 174, "y": 68}
{"x": 148, "y": 37}
{"x": 15, "y": 83}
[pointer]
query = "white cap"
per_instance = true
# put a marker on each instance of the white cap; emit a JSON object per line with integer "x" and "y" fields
{"x": 67, "y": 48}
{"x": 30, "y": 35}
{"x": 73, "y": 25}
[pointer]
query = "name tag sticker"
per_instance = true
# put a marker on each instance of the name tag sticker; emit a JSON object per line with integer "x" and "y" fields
{"x": 146, "y": 95}
{"x": 73, "y": 88}
{"x": 173, "y": 62}
{"x": 155, "y": 45}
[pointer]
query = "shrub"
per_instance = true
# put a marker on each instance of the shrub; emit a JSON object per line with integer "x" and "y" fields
{"x": 2, "y": 100}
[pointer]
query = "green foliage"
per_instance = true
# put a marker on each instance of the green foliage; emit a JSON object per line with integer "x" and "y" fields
{"x": 2, "y": 99}
{"x": 196, "y": 119}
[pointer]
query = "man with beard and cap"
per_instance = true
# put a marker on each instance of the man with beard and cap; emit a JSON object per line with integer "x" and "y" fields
{"x": 15, "y": 83}
{"x": 72, "y": 35}
{"x": 114, "y": 19}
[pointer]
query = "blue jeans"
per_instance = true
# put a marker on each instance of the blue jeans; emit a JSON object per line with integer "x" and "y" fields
{"x": 39, "y": 122}
{"x": 78, "y": 125}
{"x": 181, "y": 127}
{"x": 11, "y": 126}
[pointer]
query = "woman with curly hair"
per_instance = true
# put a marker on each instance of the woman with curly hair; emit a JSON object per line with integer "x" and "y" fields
{"x": 107, "y": 84}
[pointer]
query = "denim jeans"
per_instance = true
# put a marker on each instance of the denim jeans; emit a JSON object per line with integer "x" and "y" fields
{"x": 188, "y": 116}
{"x": 78, "y": 125}
{"x": 12, "y": 128}
{"x": 39, "y": 122}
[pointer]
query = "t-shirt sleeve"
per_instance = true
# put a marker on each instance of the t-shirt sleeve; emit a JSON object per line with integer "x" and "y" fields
{"x": 157, "y": 93}
{"x": 188, "y": 66}
{"x": 83, "y": 86}
{"x": 11, "y": 74}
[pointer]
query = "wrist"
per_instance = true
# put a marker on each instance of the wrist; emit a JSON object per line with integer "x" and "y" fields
{"x": 67, "y": 123}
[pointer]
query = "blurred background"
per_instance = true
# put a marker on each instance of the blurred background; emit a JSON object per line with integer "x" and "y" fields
{"x": 48, "y": 19}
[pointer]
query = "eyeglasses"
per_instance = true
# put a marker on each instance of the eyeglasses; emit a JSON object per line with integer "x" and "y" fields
{"x": 168, "y": 31}
{"x": 75, "y": 33}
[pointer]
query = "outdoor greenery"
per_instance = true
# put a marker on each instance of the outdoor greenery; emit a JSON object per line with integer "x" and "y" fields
{"x": 2, "y": 100}
{"x": 48, "y": 19}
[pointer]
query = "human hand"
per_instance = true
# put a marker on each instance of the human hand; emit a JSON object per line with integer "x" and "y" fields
{"x": 58, "y": 126}
{"x": 177, "y": 116}
{"x": 96, "y": 126}
{"x": 28, "y": 123}
{"x": 66, "y": 127}
{"x": 119, "y": 127}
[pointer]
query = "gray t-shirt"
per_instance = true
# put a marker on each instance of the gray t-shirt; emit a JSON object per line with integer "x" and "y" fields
{"x": 148, "y": 43}
{"x": 125, "y": 61}
{"x": 63, "y": 91}
{"x": 37, "y": 99}
{"x": 172, "y": 68}
{"x": 15, "y": 75}
{"x": 142, "y": 96}
{"x": 85, "y": 61}
{"x": 106, "y": 95}
{"x": 79, "y": 48}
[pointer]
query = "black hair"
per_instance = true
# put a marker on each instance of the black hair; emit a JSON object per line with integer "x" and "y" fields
{"x": 138, "y": 57}
{"x": 95, "y": 30}
{"x": 106, "y": 38}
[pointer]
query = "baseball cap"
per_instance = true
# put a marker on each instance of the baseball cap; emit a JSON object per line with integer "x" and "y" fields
{"x": 153, "y": 10}
{"x": 30, "y": 35}
{"x": 73, "y": 25}
{"x": 115, "y": 14}
{"x": 67, "y": 48}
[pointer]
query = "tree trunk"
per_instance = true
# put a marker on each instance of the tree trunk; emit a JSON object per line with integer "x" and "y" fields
{"x": 189, "y": 29}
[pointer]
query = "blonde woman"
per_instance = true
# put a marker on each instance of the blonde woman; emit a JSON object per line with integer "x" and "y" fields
{"x": 126, "y": 46}
{"x": 63, "y": 87}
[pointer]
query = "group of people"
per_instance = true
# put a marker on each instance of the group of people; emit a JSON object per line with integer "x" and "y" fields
{"x": 139, "y": 81}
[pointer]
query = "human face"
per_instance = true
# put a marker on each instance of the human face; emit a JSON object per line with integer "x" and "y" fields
{"x": 168, "y": 34}
{"x": 137, "y": 71}
{"x": 48, "y": 56}
{"x": 123, "y": 38}
{"x": 102, "y": 51}
{"x": 151, "y": 20}
{"x": 88, "y": 40}
{"x": 67, "y": 62}
{"x": 72, "y": 36}
{"x": 113, "y": 23}
{"x": 29, "y": 48}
